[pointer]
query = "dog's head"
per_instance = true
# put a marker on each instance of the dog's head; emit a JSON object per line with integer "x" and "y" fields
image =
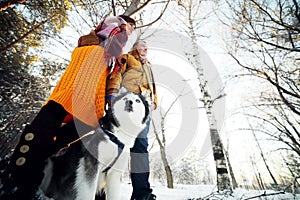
{"x": 130, "y": 108}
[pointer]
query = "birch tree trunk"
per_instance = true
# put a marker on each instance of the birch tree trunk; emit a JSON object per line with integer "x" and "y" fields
{"x": 223, "y": 180}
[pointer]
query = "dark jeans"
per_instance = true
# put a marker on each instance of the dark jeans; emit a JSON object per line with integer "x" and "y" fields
{"x": 140, "y": 169}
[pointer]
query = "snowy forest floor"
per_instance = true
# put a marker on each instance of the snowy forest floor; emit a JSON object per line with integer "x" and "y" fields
{"x": 196, "y": 192}
{"x": 207, "y": 192}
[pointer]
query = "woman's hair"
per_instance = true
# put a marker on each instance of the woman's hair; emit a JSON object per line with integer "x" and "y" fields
{"x": 128, "y": 19}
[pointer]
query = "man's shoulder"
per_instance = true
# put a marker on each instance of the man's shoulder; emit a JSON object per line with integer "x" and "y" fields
{"x": 129, "y": 58}
{"x": 127, "y": 55}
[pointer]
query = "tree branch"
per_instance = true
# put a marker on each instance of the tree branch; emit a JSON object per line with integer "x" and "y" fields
{"x": 25, "y": 35}
{"x": 158, "y": 18}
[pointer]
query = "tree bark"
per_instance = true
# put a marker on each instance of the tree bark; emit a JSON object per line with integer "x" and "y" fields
{"x": 167, "y": 169}
{"x": 223, "y": 180}
{"x": 163, "y": 154}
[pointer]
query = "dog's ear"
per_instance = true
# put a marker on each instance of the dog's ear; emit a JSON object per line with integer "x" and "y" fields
{"x": 122, "y": 91}
{"x": 146, "y": 96}
{"x": 147, "y": 102}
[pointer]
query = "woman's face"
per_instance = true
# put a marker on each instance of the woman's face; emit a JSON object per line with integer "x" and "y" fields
{"x": 129, "y": 28}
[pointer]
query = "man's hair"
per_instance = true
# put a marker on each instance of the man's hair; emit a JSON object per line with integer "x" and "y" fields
{"x": 128, "y": 19}
{"x": 138, "y": 42}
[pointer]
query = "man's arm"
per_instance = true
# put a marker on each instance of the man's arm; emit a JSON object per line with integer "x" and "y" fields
{"x": 114, "y": 80}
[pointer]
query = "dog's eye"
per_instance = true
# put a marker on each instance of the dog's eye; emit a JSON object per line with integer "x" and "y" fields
{"x": 138, "y": 101}
{"x": 125, "y": 99}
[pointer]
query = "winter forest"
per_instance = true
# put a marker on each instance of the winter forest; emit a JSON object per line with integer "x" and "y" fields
{"x": 228, "y": 80}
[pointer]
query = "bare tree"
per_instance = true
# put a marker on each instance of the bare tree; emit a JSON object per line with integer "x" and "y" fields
{"x": 162, "y": 142}
{"x": 268, "y": 33}
{"x": 191, "y": 9}
{"x": 257, "y": 175}
{"x": 86, "y": 15}
{"x": 263, "y": 156}
{"x": 23, "y": 28}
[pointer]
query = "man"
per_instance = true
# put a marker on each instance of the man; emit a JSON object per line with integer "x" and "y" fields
{"x": 136, "y": 76}
{"x": 79, "y": 93}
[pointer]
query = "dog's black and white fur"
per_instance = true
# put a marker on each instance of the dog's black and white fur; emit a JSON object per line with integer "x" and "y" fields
{"x": 97, "y": 161}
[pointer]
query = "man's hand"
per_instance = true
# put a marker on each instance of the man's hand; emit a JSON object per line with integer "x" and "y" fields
{"x": 109, "y": 99}
{"x": 152, "y": 106}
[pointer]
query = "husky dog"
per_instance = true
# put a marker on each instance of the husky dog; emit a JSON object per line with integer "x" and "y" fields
{"x": 95, "y": 163}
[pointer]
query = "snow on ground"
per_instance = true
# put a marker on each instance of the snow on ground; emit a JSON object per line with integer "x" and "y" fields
{"x": 163, "y": 193}
{"x": 206, "y": 192}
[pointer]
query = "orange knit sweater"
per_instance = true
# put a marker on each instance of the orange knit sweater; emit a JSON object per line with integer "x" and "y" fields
{"x": 81, "y": 89}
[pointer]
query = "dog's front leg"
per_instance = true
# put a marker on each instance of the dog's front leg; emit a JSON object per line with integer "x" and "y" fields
{"x": 113, "y": 185}
{"x": 85, "y": 184}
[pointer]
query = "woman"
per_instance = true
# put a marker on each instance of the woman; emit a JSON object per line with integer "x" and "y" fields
{"x": 80, "y": 93}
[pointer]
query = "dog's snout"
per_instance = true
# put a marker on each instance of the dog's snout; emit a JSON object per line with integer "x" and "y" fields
{"x": 129, "y": 105}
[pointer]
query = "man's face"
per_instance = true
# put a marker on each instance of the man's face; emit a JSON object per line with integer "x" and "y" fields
{"x": 142, "y": 49}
